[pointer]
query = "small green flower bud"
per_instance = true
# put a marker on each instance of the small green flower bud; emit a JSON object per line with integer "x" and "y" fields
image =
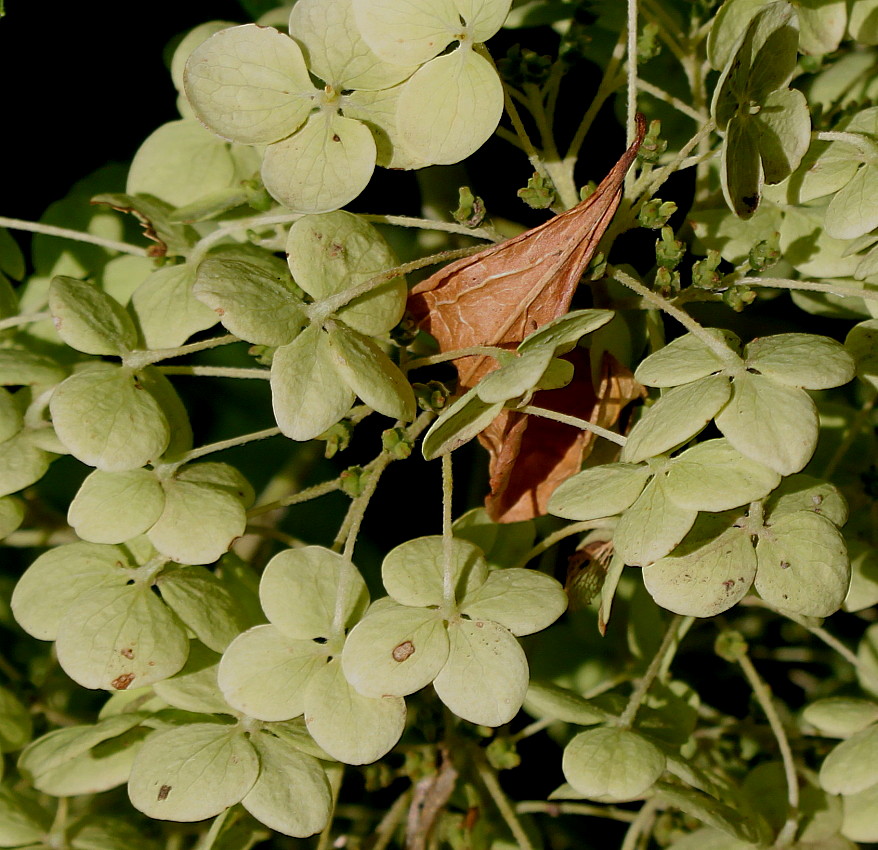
{"x": 396, "y": 442}
{"x": 704, "y": 272}
{"x": 655, "y": 213}
{"x": 353, "y": 480}
{"x": 765, "y": 254}
{"x": 337, "y": 438}
{"x": 432, "y": 396}
{"x": 668, "y": 251}
{"x": 539, "y": 192}
{"x": 470, "y": 208}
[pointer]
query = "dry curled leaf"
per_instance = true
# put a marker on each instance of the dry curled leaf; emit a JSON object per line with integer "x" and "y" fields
{"x": 499, "y": 296}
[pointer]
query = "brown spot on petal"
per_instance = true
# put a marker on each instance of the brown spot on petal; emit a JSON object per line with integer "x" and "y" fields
{"x": 405, "y": 650}
{"x": 163, "y": 792}
{"x": 120, "y": 683}
{"x": 128, "y": 652}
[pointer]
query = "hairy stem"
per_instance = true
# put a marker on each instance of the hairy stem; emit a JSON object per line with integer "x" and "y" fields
{"x": 582, "y": 424}
{"x": 501, "y": 801}
{"x": 73, "y": 235}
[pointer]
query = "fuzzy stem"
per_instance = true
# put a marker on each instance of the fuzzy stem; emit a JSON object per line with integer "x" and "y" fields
{"x": 16, "y": 321}
{"x": 215, "y": 372}
{"x": 74, "y": 235}
{"x": 456, "y": 354}
{"x": 501, "y": 801}
{"x": 557, "y": 536}
{"x": 222, "y": 445}
{"x": 839, "y": 289}
{"x": 448, "y": 597}
{"x": 486, "y": 233}
{"x": 582, "y": 424}
{"x": 307, "y": 495}
{"x": 553, "y": 809}
{"x": 631, "y": 75}
{"x": 139, "y": 359}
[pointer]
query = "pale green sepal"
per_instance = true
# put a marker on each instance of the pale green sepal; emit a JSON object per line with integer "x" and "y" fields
{"x": 395, "y": 650}
{"x": 863, "y": 27}
{"x": 458, "y": 424}
{"x": 20, "y": 367}
{"x": 450, "y": 107}
{"x": 853, "y": 765}
{"x": 192, "y": 772}
{"x": 195, "y": 687}
{"x": 222, "y": 476}
{"x": 600, "y": 491}
{"x": 351, "y": 727}
{"x": 728, "y": 830}
{"x": 853, "y": 210}
{"x": 803, "y": 565}
{"x": 562, "y": 334}
{"x": 515, "y": 378}
{"x": 713, "y": 476}
{"x": 108, "y": 832}
{"x": 296, "y": 733}
{"x": 413, "y": 572}
{"x": 15, "y": 723}
{"x": 742, "y": 177}
{"x": 11, "y": 515}
{"x": 484, "y": 652}
{"x": 88, "y": 319}
{"x": 323, "y": 166}
{"x": 292, "y": 793}
{"x": 801, "y": 360}
{"x": 483, "y": 17}
{"x": 334, "y": 48}
{"x": 251, "y": 303}
{"x": 171, "y": 405}
{"x": 729, "y": 25}
{"x": 300, "y": 591}
{"x": 192, "y": 39}
{"x": 307, "y": 393}
{"x": 523, "y": 601}
{"x": 264, "y": 674}
{"x": 22, "y": 820}
{"x": 407, "y": 33}
{"x": 862, "y": 343}
{"x": 22, "y": 463}
{"x": 199, "y": 522}
{"x": 204, "y": 604}
{"x": 57, "y": 578}
{"x": 863, "y": 591}
{"x": 770, "y": 423}
{"x": 703, "y": 578}
{"x": 652, "y": 526}
{"x": 167, "y": 309}
{"x": 333, "y": 252}
{"x": 805, "y": 493}
{"x": 841, "y": 717}
{"x": 546, "y": 699}
{"x": 860, "y": 818}
{"x": 680, "y": 414}
{"x": 503, "y": 544}
{"x": 783, "y": 130}
{"x": 105, "y": 420}
{"x": 116, "y": 637}
{"x": 181, "y": 162}
{"x": 371, "y": 374}
{"x": 612, "y": 764}
{"x": 63, "y": 762}
{"x": 249, "y": 84}
{"x": 11, "y": 415}
{"x": 112, "y": 507}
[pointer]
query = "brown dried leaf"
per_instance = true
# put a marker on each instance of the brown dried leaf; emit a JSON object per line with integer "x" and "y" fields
{"x": 498, "y": 297}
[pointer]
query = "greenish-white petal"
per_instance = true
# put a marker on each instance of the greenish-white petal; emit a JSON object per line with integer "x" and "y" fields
{"x": 687, "y": 359}
{"x": 600, "y": 491}
{"x": 458, "y": 424}
{"x": 351, "y": 727}
{"x": 853, "y": 210}
{"x": 323, "y": 166}
{"x": 801, "y": 360}
{"x": 485, "y": 678}
{"x": 483, "y": 17}
{"x": 860, "y": 810}
{"x": 192, "y": 772}
{"x": 853, "y": 765}
{"x": 307, "y": 392}
{"x": 22, "y": 463}
{"x": 23, "y": 822}
{"x": 516, "y": 377}
{"x": 249, "y": 84}
{"x": 783, "y": 130}
{"x": 841, "y": 717}
{"x": 16, "y": 726}
{"x": 562, "y": 334}
{"x": 545, "y": 699}
{"x": 88, "y": 319}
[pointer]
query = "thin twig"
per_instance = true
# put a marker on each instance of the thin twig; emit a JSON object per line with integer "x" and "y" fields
{"x": 73, "y": 235}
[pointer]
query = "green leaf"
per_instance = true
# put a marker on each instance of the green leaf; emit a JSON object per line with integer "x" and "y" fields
{"x": 336, "y": 251}
{"x": 89, "y": 320}
{"x": 770, "y": 423}
{"x": 612, "y": 764}
{"x": 600, "y": 491}
{"x": 545, "y": 699}
{"x": 395, "y": 650}
{"x": 523, "y": 601}
{"x": 413, "y": 572}
{"x": 300, "y": 592}
{"x": 253, "y": 302}
{"x": 105, "y": 419}
{"x": 516, "y": 377}
{"x": 21, "y": 463}
{"x": 742, "y": 174}
{"x": 167, "y": 309}
{"x": 458, "y": 424}
{"x": 115, "y": 637}
{"x": 803, "y": 565}
{"x": 485, "y": 652}
{"x": 204, "y": 604}
{"x": 263, "y": 673}
{"x": 853, "y": 765}
{"x": 199, "y": 521}
{"x": 15, "y": 722}
{"x": 800, "y": 360}
{"x": 853, "y": 212}
{"x": 192, "y": 772}
{"x": 308, "y": 394}
{"x": 371, "y": 374}
{"x": 703, "y": 576}
{"x": 11, "y": 515}
{"x": 562, "y": 334}
{"x": 22, "y": 820}
{"x": 841, "y": 717}
{"x": 249, "y": 84}
{"x": 783, "y": 131}
{"x": 859, "y": 822}
{"x": 292, "y": 793}
{"x": 112, "y": 507}
{"x": 351, "y": 727}
{"x": 19, "y": 367}
{"x": 806, "y": 493}
{"x": 83, "y": 759}
{"x": 713, "y": 476}
{"x": 101, "y": 832}
{"x": 680, "y": 414}
{"x": 652, "y": 526}
{"x": 406, "y": 33}
{"x": 195, "y": 687}
{"x": 334, "y": 49}
{"x": 57, "y": 578}
{"x": 862, "y": 343}
{"x": 322, "y": 166}
{"x": 11, "y": 259}
{"x": 734, "y": 831}
{"x": 450, "y": 107}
